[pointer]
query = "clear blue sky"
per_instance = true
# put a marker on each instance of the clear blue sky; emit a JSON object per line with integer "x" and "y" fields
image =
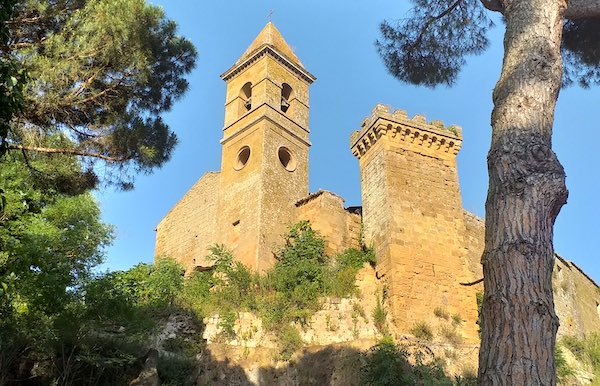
{"x": 335, "y": 42}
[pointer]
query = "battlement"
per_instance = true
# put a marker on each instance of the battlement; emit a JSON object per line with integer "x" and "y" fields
{"x": 433, "y": 136}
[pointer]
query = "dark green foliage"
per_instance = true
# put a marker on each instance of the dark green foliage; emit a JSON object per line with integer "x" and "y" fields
{"x": 429, "y": 46}
{"x": 581, "y": 52}
{"x": 102, "y": 334}
{"x": 12, "y": 76}
{"x": 86, "y": 78}
{"x": 300, "y": 270}
{"x": 388, "y": 363}
{"x": 356, "y": 258}
{"x": 102, "y": 73}
{"x": 175, "y": 370}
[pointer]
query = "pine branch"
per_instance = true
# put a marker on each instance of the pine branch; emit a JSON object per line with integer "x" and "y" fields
{"x": 472, "y": 283}
{"x": 433, "y": 19}
{"x": 50, "y": 150}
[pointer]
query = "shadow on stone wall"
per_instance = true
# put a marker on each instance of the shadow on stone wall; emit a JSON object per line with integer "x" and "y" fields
{"x": 329, "y": 365}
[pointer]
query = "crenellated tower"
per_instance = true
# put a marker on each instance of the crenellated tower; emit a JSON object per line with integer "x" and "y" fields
{"x": 264, "y": 164}
{"x": 413, "y": 215}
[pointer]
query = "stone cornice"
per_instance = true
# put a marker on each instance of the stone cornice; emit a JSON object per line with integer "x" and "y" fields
{"x": 433, "y": 136}
{"x": 266, "y": 49}
{"x": 265, "y": 116}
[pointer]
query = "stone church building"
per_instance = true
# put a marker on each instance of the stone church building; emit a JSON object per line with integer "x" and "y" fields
{"x": 425, "y": 242}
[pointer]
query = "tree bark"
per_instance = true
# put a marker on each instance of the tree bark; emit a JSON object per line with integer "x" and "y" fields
{"x": 577, "y": 9}
{"x": 526, "y": 191}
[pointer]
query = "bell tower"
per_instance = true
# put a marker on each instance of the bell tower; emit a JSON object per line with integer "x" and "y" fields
{"x": 264, "y": 164}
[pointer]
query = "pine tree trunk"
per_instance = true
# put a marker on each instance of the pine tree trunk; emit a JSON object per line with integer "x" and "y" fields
{"x": 526, "y": 191}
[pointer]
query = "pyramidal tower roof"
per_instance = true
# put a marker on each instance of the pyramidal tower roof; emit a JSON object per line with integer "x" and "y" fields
{"x": 270, "y": 36}
{"x": 269, "y": 42}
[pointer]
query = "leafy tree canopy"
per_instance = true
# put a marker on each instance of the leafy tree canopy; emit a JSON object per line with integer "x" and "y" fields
{"x": 49, "y": 241}
{"x": 101, "y": 74}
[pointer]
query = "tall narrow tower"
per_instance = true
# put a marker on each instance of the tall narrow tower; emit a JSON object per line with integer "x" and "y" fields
{"x": 264, "y": 165}
{"x": 412, "y": 212}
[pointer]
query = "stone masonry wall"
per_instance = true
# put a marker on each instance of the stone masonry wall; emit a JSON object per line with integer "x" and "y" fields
{"x": 281, "y": 188}
{"x": 576, "y": 299}
{"x": 576, "y": 296}
{"x": 326, "y": 214}
{"x": 340, "y": 320}
{"x": 187, "y": 231}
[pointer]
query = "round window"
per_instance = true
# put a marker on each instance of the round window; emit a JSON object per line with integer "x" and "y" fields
{"x": 288, "y": 161}
{"x": 242, "y": 158}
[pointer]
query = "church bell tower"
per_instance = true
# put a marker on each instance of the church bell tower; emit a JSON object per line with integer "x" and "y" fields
{"x": 264, "y": 165}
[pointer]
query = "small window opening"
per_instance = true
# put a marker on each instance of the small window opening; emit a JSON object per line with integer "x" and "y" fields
{"x": 246, "y": 95}
{"x": 598, "y": 308}
{"x": 242, "y": 158}
{"x": 286, "y": 96}
{"x": 287, "y": 159}
{"x": 234, "y": 236}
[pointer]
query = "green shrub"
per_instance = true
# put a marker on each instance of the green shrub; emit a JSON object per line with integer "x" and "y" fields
{"x": 592, "y": 348}
{"x": 289, "y": 341}
{"x": 340, "y": 281}
{"x": 227, "y": 323}
{"x": 380, "y": 316}
{"x": 563, "y": 370}
{"x": 145, "y": 285}
{"x": 389, "y": 364}
{"x": 164, "y": 282}
{"x": 300, "y": 268}
{"x": 441, "y": 313}
{"x": 468, "y": 378}
{"x": 356, "y": 258}
{"x": 196, "y": 291}
{"x": 422, "y": 330}
{"x": 457, "y": 319}
{"x": 586, "y": 350}
{"x": 451, "y": 335}
{"x": 358, "y": 309}
{"x": 575, "y": 345}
